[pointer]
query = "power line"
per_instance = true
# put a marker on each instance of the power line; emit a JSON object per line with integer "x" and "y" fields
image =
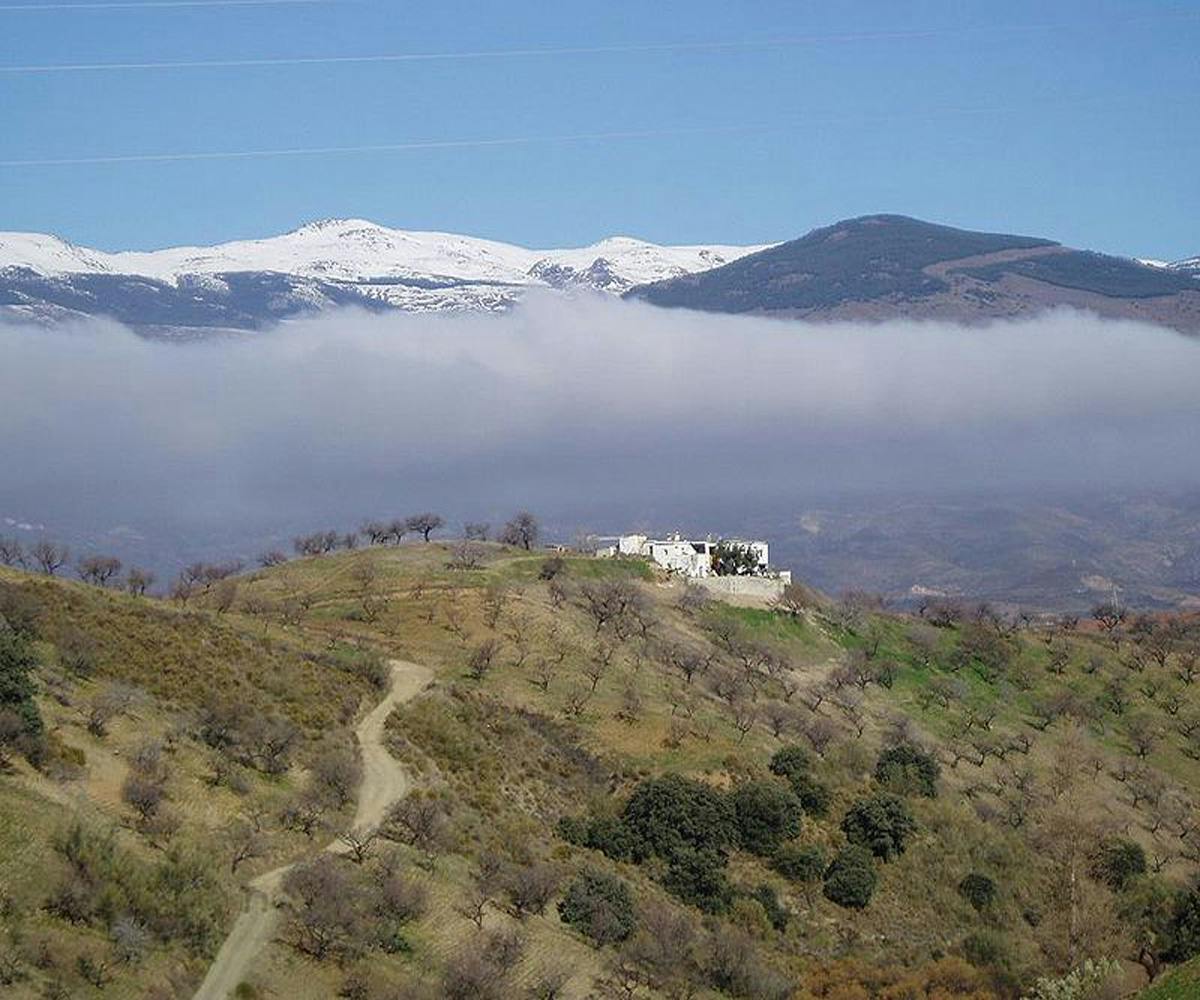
{"x": 779, "y": 41}
{"x": 388, "y": 147}
{"x": 33, "y": 8}
{"x": 930, "y": 114}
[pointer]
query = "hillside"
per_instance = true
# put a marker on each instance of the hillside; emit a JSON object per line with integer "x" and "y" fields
{"x": 885, "y": 266}
{"x": 823, "y": 799}
{"x": 249, "y": 284}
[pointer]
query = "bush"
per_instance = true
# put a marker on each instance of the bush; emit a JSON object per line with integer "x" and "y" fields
{"x": 978, "y": 890}
{"x": 813, "y": 795}
{"x": 850, "y": 878}
{"x": 776, "y": 912}
{"x": 799, "y": 864}
{"x": 790, "y": 760}
{"x": 668, "y": 814}
{"x": 881, "y": 823}
{"x": 698, "y": 878}
{"x": 767, "y": 814}
{"x": 985, "y": 949}
{"x": 17, "y": 663}
{"x": 1118, "y": 862}
{"x": 599, "y": 906}
{"x": 908, "y": 770}
{"x": 794, "y": 763}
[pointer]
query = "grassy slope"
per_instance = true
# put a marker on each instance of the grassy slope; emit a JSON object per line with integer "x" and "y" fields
{"x": 512, "y": 760}
{"x": 1179, "y": 984}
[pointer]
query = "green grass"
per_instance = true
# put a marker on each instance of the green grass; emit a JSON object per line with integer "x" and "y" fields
{"x": 1182, "y": 983}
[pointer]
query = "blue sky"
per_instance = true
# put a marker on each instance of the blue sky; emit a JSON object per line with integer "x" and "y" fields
{"x": 1075, "y": 120}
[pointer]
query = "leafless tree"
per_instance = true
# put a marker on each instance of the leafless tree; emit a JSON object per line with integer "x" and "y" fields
{"x": 420, "y": 821}
{"x": 482, "y": 658}
{"x": 138, "y": 581}
{"x": 224, "y": 594}
{"x": 522, "y": 531}
{"x": 358, "y": 843}
{"x": 425, "y": 524}
{"x": 12, "y": 553}
{"x": 98, "y": 570}
{"x": 270, "y": 741}
{"x": 453, "y": 614}
{"x": 337, "y": 771}
{"x": 108, "y": 703}
{"x": 476, "y": 531}
{"x": 50, "y": 556}
{"x": 465, "y": 555}
{"x": 576, "y": 700}
{"x": 272, "y": 557}
{"x": 495, "y": 600}
{"x": 325, "y": 919}
{"x": 246, "y": 843}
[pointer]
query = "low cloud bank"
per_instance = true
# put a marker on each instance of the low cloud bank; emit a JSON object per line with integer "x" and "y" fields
{"x": 585, "y": 408}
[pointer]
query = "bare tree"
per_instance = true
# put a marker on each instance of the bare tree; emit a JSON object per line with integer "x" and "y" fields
{"x": 108, "y": 703}
{"x": 358, "y": 843}
{"x": 465, "y": 555}
{"x": 522, "y": 531}
{"x": 425, "y": 524}
{"x": 482, "y": 658}
{"x": 98, "y": 570}
{"x": 246, "y": 843}
{"x": 476, "y": 531}
{"x": 12, "y": 553}
{"x": 272, "y": 557}
{"x": 50, "y": 556}
{"x": 325, "y": 919}
{"x": 138, "y": 581}
{"x": 420, "y": 821}
{"x": 336, "y": 771}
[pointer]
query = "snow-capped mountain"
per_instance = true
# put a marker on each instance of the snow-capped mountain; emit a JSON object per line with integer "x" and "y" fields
{"x": 248, "y": 283}
{"x": 1189, "y": 266}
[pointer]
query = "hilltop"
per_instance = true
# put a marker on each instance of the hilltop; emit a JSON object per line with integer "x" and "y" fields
{"x": 885, "y": 266}
{"x": 620, "y": 788}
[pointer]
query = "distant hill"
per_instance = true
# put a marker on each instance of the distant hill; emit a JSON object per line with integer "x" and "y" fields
{"x": 887, "y": 266}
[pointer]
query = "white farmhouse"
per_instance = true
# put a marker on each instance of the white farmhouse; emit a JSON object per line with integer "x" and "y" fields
{"x": 687, "y": 557}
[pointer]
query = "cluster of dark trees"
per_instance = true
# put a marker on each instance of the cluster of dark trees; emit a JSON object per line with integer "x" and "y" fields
{"x": 21, "y": 726}
{"x": 690, "y": 827}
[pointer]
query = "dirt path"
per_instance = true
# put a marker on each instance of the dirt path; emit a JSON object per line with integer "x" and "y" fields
{"x": 384, "y": 781}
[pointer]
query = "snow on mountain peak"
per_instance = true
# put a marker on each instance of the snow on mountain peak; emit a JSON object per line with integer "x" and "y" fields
{"x": 406, "y": 269}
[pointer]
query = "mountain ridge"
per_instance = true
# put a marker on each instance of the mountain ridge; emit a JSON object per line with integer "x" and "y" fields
{"x": 868, "y": 268}
{"x": 879, "y": 267}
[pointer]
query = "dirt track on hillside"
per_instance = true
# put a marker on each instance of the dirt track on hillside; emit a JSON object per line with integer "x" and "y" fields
{"x": 384, "y": 782}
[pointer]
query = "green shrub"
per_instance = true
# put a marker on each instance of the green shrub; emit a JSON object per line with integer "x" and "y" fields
{"x": 17, "y": 664}
{"x": 1118, "y": 862}
{"x": 799, "y": 864}
{"x": 767, "y": 814}
{"x": 672, "y": 813}
{"x": 795, "y": 764}
{"x": 814, "y": 796}
{"x": 908, "y": 770}
{"x": 881, "y": 823}
{"x": 978, "y": 890}
{"x": 698, "y": 878}
{"x": 985, "y": 949}
{"x": 776, "y": 912}
{"x": 599, "y": 906}
{"x": 850, "y": 879}
{"x": 790, "y": 760}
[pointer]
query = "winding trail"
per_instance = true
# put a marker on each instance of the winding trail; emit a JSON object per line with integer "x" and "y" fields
{"x": 384, "y": 782}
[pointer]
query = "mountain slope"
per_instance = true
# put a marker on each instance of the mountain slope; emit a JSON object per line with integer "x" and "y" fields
{"x": 883, "y": 266}
{"x": 249, "y": 283}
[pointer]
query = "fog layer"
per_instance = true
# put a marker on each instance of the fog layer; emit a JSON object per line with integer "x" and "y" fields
{"x": 586, "y": 409}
